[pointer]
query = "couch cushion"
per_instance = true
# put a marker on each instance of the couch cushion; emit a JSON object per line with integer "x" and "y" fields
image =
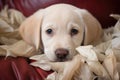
{"x": 19, "y": 69}
{"x": 101, "y": 9}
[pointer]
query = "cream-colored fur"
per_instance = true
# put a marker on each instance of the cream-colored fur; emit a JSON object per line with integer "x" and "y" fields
{"x": 60, "y": 18}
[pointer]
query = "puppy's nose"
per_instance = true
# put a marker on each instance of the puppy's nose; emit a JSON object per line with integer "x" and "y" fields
{"x": 61, "y": 53}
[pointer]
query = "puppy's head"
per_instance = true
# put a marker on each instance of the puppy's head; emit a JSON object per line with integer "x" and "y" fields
{"x": 59, "y": 29}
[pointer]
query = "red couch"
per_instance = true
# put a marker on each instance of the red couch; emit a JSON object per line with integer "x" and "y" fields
{"x": 19, "y": 68}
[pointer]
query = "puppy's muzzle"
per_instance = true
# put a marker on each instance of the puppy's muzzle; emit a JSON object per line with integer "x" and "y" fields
{"x": 61, "y": 54}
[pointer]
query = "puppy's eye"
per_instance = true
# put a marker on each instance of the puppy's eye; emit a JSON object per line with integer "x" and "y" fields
{"x": 49, "y": 31}
{"x": 73, "y": 32}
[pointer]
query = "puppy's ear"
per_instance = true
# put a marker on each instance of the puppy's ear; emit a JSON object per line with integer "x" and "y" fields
{"x": 93, "y": 29}
{"x": 30, "y": 29}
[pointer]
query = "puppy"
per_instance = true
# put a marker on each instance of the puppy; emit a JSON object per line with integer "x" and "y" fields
{"x": 59, "y": 29}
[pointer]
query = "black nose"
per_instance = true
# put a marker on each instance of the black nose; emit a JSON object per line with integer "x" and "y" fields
{"x": 61, "y": 53}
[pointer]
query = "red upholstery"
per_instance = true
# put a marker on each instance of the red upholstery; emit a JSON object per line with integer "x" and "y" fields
{"x": 19, "y": 68}
{"x": 101, "y": 9}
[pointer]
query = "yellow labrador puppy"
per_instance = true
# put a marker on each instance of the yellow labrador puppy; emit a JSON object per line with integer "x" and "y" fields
{"x": 59, "y": 29}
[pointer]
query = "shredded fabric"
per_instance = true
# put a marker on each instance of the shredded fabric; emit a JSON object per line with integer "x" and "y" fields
{"x": 11, "y": 43}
